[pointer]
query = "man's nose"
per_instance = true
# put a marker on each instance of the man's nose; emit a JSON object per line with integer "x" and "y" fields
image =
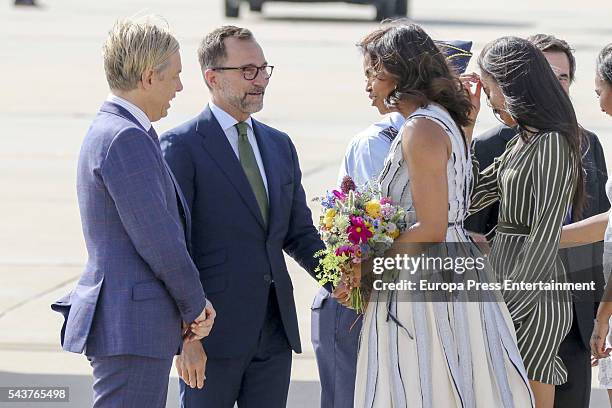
{"x": 261, "y": 79}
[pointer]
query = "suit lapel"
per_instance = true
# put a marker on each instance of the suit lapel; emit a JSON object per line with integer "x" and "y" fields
{"x": 269, "y": 156}
{"x": 218, "y": 147}
{"x": 115, "y": 109}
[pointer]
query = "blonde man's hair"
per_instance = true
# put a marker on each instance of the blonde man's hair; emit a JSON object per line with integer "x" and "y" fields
{"x": 133, "y": 47}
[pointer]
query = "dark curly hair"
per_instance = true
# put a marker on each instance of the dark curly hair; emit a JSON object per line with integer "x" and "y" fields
{"x": 534, "y": 97}
{"x": 419, "y": 68}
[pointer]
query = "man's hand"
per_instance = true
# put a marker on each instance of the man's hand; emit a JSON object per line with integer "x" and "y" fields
{"x": 191, "y": 364}
{"x": 203, "y": 324}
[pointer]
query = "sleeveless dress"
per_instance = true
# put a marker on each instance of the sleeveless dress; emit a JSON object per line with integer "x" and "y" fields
{"x": 534, "y": 186}
{"x": 416, "y": 353}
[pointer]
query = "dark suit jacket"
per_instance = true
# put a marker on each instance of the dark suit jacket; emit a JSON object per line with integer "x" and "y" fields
{"x": 236, "y": 255}
{"x": 583, "y": 264}
{"x": 139, "y": 281}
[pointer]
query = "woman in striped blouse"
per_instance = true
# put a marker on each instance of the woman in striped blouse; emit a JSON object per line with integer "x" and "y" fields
{"x": 537, "y": 180}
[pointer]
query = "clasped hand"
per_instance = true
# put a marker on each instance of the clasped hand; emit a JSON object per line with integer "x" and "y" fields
{"x": 202, "y": 325}
{"x": 191, "y": 364}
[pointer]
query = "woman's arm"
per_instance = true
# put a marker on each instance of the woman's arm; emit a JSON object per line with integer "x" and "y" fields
{"x": 426, "y": 149}
{"x": 584, "y": 232}
{"x": 600, "y": 330}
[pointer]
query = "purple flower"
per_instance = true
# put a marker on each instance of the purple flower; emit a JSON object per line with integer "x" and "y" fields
{"x": 329, "y": 201}
{"x": 347, "y": 185}
{"x": 339, "y": 195}
{"x": 388, "y": 211}
{"x": 344, "y": 250}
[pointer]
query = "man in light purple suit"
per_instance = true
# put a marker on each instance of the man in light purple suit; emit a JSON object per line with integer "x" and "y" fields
{"x": 140, "y": 292}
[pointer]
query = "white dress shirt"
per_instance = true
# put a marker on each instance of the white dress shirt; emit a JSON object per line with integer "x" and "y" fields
{"x": 228, "y": 123}
{"x": 365, "y": 155}
{"x": 140, "y": 116}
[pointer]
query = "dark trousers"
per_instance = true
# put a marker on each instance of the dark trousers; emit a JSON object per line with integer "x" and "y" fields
{"x": 335, "y": 337}
{"x": 259, "y": 379}
{"x": 576, "y": 392}
{"x": 130, "y": 381}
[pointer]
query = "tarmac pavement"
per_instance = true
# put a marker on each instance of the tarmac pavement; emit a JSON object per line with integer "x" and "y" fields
{"x": 52, "y": 83}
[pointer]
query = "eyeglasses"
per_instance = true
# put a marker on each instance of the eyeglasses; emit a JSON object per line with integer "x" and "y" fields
{"x": 249, "y": 72}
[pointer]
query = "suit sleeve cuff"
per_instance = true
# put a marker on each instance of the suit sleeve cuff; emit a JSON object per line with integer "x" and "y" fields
{"x": 192, "y": 311}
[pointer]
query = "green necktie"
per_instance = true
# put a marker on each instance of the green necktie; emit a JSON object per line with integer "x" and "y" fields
{"x": 251, "y": 169}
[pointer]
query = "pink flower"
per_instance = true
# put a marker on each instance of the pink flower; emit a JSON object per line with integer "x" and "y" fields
{"x": 385, "y": 200}
{"x": 339, "y": 194}
{"x": 357, "y": 231}
{"x": 344, "y": 250}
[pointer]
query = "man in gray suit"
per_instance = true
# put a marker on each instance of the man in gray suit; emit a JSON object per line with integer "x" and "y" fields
{"x": 139, "y": 283}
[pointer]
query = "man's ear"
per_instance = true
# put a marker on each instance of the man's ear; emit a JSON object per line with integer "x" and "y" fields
{"x": 146, "y": 79}
{"x": 210, "y": 76}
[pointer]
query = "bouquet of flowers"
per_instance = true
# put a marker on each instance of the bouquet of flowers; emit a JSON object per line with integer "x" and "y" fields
{"x": 355, "y": 225}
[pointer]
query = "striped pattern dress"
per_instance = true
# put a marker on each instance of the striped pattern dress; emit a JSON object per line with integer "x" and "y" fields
{"x": 416, "y": 353}
{"x": 534, "y": 184}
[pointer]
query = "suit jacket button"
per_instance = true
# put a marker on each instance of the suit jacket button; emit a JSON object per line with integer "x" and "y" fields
{"x": 267, "y": 278}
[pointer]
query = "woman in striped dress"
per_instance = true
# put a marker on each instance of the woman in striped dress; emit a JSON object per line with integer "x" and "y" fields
{"x": 537, "y": 180}
{"x": 417, "y": 353}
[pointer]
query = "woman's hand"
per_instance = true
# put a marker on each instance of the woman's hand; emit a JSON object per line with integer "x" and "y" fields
{"x": 470, "y": 81}
{"x": 598, "y": 338}
{"x": 353, "y": 279}
{"x": 348, "y": 282}
{"x": 342, "y": 294}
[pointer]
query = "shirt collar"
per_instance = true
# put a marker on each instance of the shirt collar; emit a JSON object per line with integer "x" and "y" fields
{"x": 226, "y": 121}
{"x": 138, "y": 113}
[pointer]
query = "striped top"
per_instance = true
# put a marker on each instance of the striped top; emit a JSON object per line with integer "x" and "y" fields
{"x": 534, "y": 184}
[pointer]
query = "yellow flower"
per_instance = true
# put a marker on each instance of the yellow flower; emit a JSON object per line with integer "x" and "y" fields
{"x": 395, "y": 234}
{"x": 329, "y": 217}
{"x": 372, "y": 208}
